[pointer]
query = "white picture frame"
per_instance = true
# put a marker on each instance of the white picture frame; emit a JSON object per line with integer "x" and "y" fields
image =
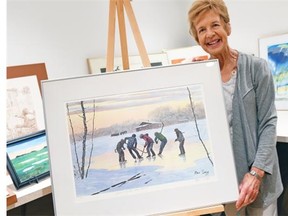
{"x": 274, "y": 50}
{"x": 98, "y": 65}
{"x": 148, "y": 186}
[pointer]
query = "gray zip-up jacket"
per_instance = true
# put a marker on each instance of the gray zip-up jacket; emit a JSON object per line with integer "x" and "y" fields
{"x": 254, "y": 126}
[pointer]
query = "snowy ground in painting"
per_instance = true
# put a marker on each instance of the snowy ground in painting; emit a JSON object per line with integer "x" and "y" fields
{"x": 107, "y": 175}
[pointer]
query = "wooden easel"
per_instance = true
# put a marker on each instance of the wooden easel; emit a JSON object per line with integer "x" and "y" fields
{"x": 119, "y": 5}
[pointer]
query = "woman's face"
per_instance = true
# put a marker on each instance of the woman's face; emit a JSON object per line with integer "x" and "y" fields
{"x": 212, "y": 32}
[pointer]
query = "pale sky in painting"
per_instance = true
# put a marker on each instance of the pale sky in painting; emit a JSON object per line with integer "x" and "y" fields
{"x": 122, "y": 108}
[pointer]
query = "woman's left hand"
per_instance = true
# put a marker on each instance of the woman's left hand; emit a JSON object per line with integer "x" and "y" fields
{"x": 249, "y": 189}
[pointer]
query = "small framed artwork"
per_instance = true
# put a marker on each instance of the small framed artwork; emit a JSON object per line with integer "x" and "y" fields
{"x": 274, "y": 49}
{"x": 24, "y": 102}
{"x": 27, "y": 159}
{"x": 98, "y": 65}
{"x": 148, "y": 134}
{"x": 186, "y": 54}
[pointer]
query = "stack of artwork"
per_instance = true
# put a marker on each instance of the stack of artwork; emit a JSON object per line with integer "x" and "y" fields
{"x": 27, "y": 153}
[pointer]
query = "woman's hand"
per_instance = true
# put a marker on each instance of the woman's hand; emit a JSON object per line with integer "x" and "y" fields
{"x": 249, "y": 188}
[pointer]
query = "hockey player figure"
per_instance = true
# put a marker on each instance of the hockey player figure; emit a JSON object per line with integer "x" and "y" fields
{"x": 132, "y": 146}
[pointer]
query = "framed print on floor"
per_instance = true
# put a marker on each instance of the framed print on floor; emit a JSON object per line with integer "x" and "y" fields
{"x": 96, "y": 170}
{"x": 24, "y": 102}
{"x": 275, "y": 50}
{"x": 27, "y": 160}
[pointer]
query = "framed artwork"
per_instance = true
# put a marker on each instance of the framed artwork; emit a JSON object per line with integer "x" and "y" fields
{"x": 148, "y": 134}
{"x": 27, "y": 160}
{"x": 186, "y": 54}
{"x": 275, "y": 50}
{"x": 24, "y": 102}
{"x": 98, "y": 65}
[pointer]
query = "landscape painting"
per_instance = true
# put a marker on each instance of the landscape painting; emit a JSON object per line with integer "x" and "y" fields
{"x": 139, "y": 140}
{"x": 28, "y": 160}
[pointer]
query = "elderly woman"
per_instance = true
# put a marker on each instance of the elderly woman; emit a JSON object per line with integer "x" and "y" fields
{"x": 249, "y": 97}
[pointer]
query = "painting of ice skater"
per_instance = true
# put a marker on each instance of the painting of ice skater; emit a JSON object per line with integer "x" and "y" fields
{"x": 139, "y": 140}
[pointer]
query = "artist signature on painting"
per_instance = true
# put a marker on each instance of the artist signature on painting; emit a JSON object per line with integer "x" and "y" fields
{"x": 201, "y": 172}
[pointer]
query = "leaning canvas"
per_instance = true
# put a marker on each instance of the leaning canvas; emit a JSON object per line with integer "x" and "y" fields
{"x": 98, "y": 65}
{"x": 140, "y": 142}
{"x": 274, "y": 49}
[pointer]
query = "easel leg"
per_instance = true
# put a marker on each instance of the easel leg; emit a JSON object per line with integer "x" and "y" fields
{"x": 111, "y": 36}
{"x": 137, "y": 35}
{"x": 118, "y": 4}
{"x": 122, "y": 31}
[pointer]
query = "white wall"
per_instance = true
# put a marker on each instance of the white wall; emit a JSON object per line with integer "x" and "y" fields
{"x": 64, "y": 33}
{"x": 251, "y": 20}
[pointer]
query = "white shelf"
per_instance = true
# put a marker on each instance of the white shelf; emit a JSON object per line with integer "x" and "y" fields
{"x": 29, "y": 192}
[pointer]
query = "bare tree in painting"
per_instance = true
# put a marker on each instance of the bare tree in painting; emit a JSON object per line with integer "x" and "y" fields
{"x": 81, "y": 166}
{"x": 92, "y": 138}
{"x": 73, "y": 139}
{"x": 196, "y": 124}
{"x": 82, "y": 172}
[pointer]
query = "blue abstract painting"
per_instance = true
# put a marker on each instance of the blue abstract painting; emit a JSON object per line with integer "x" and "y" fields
{"x": 278, "y": 60}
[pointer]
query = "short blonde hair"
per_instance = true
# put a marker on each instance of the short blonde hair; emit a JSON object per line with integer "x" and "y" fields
{"x": 200, "y": 6}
